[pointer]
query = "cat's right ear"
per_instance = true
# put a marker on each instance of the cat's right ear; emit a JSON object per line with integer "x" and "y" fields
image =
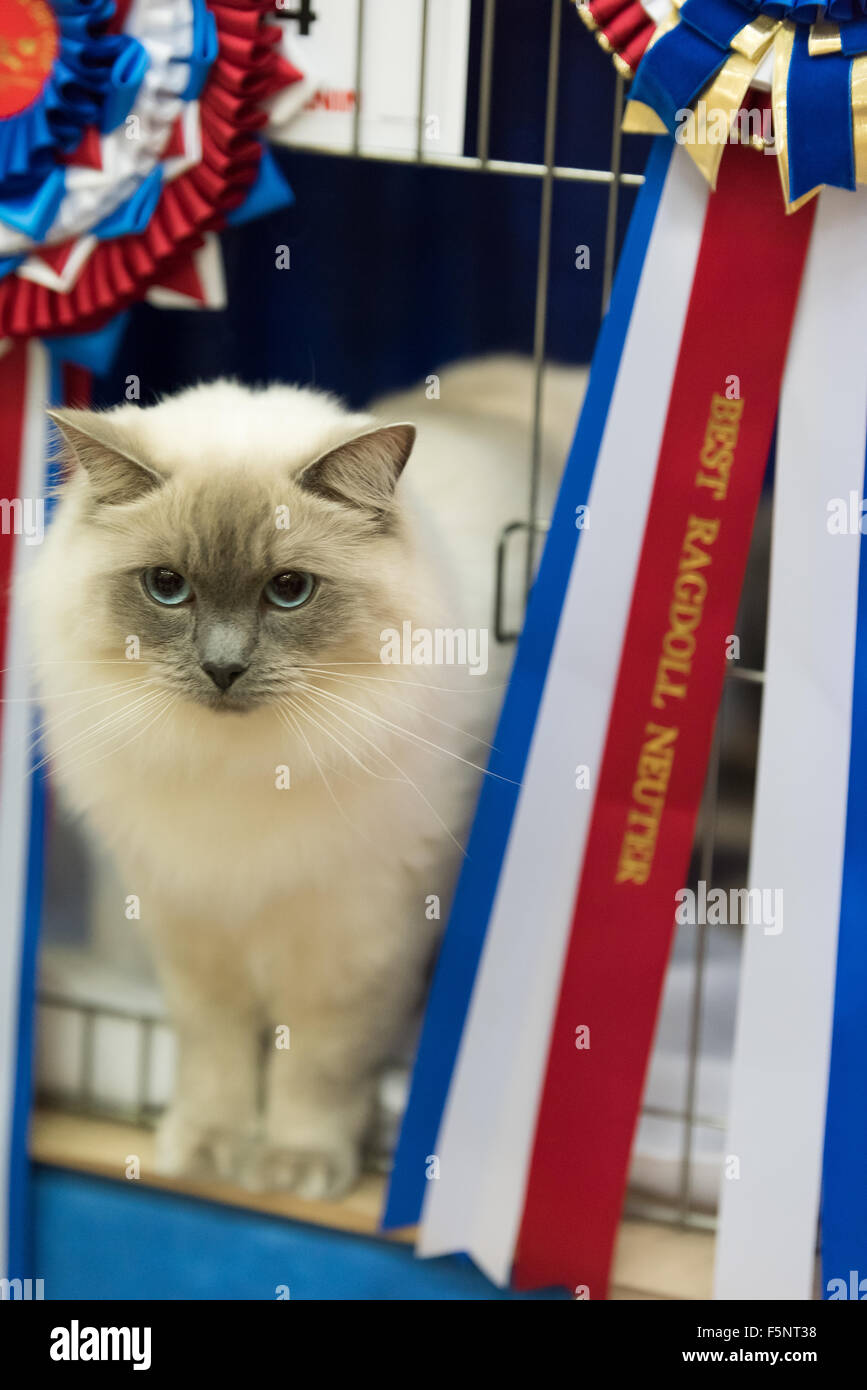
{"x": 94, "y": 442}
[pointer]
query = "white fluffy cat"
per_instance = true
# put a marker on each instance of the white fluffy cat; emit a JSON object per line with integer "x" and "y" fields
{"x": 209, "y": 612}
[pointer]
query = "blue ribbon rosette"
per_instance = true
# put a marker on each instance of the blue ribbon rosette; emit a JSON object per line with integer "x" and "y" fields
{"x": 114, "y": 161}
{"x": 696, "y": 62}
{"x": 93, "y": 78}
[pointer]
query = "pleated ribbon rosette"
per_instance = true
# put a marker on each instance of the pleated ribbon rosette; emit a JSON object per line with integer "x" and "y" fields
{"x": 736, "y": 320}
{"x": 703, "y": 56}
{"x": 131, "y": 131}
{"x": 142, "y": 140}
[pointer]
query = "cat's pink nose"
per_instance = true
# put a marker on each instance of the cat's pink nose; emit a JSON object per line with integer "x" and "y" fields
{"x": 224, "y": 674}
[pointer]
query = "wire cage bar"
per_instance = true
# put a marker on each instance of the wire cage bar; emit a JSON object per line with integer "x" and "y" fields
{"x": 682, "y": 1208}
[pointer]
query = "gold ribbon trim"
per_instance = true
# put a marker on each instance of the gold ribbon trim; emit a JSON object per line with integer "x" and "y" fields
{"x": 858, "y": 89}
{"x": 715, "y": 118}
{"x": 784, "y": 41}
{"x": 824, "y": 38}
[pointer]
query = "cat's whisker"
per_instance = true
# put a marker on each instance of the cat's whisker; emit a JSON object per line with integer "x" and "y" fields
{"x": 67, "y": 661}
{"x": 295, "y": 723}
{"x": 410, "y": 734}
{"x": 94, "y": 730}
{"x": 285, "y": 716}
{"x": 380, "y": 663}
{"x": 52, "y": 726}
{"x": 340, "y": 772}
{"x": 327, "y": 675}
{"x": 404, "y": 776}
{"x": 58, "y": 720}
{"x": 380, "y": 777}
{"x": 113, "y": 716}
{"x": 304, "y": 713}
{"x": 170, "y": 701}
{"x": 475, "y": 689}
{"x": 38, "y": 699}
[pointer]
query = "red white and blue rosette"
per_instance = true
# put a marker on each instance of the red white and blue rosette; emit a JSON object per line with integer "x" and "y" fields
{"x": 131, "y": 131}
{"x": 737, "y": 317}
{"x": 700, "y": 56}
{"x": 143, "y": 139}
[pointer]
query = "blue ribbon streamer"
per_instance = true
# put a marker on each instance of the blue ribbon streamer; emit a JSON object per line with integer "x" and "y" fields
{"x": 95, "y": 351}
{"x": 853, "y": 38}
{"x": 127, "y": 75}
{"x": 801, "y": 13}
{"x": 464, "y": 939}
{"x": 843, "y": 10}
{"x": 33, "y": 213}
{"x": 20, "y": 1243}
{"x": 717, "y": 20}
{"x": 844, "y": 1174}
{"x": 132, "y": 216}
{"x": 204, "y": 50}
{"x": 819, "y": 120}
{"x": 269, "y": 192}
{"x": 673, "y": 72}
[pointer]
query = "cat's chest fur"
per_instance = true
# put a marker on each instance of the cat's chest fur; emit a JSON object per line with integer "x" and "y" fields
{"x": 235, "y": 822}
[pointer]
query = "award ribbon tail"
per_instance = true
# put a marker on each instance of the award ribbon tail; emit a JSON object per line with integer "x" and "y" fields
{"x": 770, "y": 1201}
{"x": 466, "y": 933}
{"x": 25, "y": 377}
{"x": 722, "y": 409}
{"x": 844, "y": 1191}
{"x": 486, "y": 1138}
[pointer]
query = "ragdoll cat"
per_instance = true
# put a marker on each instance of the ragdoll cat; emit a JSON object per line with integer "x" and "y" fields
{"x": 210, "y": 613}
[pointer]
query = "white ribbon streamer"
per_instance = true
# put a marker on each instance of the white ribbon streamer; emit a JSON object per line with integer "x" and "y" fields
{"x": 770, "y": 1195}
{"x": 485, "y": 1139}
{"x": 14, "y": 779}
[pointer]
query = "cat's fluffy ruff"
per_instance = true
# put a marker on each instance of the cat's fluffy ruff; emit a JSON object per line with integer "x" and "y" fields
{"x": 303, "y": 907}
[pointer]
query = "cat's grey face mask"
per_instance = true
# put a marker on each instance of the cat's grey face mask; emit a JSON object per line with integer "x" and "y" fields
{"x": 228, "y": 605}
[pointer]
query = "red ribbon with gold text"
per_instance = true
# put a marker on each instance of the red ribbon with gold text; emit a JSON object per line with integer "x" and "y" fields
{"x": 709, "y": 476}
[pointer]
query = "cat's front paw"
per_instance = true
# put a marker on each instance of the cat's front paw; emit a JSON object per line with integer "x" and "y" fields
{"x": 186, "y": 1148}
{"x": 315, "y": 1175}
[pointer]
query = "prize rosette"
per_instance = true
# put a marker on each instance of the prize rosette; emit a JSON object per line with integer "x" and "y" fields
{"x": 127, "y": 135}
{"x": 702, "y": 56}
{"x": 736, "y": 323}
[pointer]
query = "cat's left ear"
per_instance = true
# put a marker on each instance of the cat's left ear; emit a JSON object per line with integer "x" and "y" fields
{"x": 94, "y": 442}
{"x": 362, "y": 472}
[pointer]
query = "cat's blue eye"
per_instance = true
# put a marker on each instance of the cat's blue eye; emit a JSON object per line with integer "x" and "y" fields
{"x": 290, "y": 590}
{"x": 167, "y": 587}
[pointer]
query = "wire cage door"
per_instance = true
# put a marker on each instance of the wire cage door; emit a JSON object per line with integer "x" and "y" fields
{"x": 519, "y": 545}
